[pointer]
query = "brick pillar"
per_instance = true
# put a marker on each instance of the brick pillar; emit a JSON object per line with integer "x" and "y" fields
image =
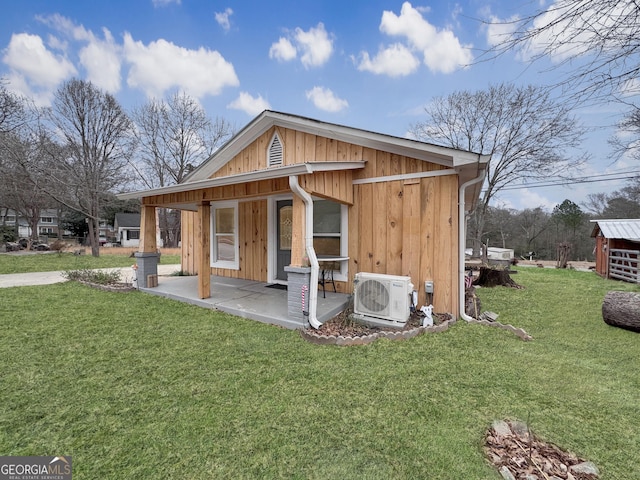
{"x": 147, "y": 265}
{"x": 298, "y": 279}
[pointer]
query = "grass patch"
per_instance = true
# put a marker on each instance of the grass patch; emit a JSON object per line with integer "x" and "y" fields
{"x": 50, "y": 262}
{"x": 136, "y": 386}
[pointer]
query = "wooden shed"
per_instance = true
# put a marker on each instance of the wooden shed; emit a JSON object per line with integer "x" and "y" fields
{"x": 617, "y": 249}
{"x": 379, "y": 204}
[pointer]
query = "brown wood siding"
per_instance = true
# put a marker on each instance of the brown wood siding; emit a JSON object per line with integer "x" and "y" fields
{"x": 302, "y": 147}
{"x": 398, "y": 227}
{"x": 252, "y": 238}
{"x": 408, "y": 228}
{"x": 602, "y": 256}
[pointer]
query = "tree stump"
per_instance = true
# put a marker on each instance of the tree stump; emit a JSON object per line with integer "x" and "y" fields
{"x": 493, "y": 277}
{"x": 622, "y": 309}
{"x": 562, "y": 255}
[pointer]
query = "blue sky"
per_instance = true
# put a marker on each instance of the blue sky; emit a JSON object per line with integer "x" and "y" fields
{"x": 369, "y": 64}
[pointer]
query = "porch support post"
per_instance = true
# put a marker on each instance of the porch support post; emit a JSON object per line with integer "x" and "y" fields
{"x": 147, "y": 256}
{"x": 148, "y": 230}
{"x": 203, "y": 232}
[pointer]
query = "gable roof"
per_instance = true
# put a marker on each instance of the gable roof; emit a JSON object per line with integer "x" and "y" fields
{"x": 468, "y": 165}
{"x": 449, "y": 157}
{"x": 127, "y": 220}
{"x": 627, "y": 229}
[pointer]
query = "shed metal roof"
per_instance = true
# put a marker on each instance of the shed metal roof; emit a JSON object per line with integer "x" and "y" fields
{"x": 628, "y": 229}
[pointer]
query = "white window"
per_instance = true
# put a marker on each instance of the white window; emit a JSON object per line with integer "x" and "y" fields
{"x": 46, "y": 219}
{"x": 330, "y": 226}
{"x": 224, "y": 235}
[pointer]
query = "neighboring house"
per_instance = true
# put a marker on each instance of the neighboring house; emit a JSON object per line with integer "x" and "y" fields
{"x": 381, "y": 204}
{"x": 47, "y": 223}
{"x": 127, "y": 229}
{"x": 617, "y": 249}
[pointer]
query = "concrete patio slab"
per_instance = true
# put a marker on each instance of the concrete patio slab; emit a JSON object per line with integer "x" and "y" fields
{"x": 245, "y": 298}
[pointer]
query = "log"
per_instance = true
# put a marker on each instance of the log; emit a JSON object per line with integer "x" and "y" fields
{"x": 622, "y": 309}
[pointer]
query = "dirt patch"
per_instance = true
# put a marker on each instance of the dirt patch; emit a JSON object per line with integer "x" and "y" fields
{"x": 577, "y": 265}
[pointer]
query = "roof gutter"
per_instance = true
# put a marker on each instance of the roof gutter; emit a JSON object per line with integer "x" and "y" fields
{"x": 462, "y": 236}
{"x": 310, "y": 251}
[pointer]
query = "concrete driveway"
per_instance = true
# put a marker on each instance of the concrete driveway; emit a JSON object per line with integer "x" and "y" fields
{"x": 48, "y": 278}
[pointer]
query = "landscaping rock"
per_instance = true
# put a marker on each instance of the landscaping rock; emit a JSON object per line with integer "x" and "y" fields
{"x": 501, "y": 428}
{"x": 506, "y": 474}
{"x": 585, "y": 468}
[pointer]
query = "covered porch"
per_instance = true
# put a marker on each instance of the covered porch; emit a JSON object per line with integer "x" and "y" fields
{"x": 245, "y": 298}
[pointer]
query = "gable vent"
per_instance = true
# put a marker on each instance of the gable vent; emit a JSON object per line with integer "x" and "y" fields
{"x": 274, "y": 156}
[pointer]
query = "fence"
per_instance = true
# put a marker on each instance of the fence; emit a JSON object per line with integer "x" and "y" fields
{"x": 624, "y": 265}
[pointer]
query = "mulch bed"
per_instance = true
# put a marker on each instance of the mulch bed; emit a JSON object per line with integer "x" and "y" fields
{"x": 343, "y": 325}
{"x": 518, "y": 454}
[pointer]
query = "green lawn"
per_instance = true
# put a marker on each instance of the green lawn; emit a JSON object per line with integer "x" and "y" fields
{"x": 50, "y": 262}
{"x": 135, "y": 386}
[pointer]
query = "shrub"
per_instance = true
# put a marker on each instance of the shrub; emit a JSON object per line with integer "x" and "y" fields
{"x": 101, "y": 277}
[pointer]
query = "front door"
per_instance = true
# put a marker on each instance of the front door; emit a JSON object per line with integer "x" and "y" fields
{"x": 284, "y": 233}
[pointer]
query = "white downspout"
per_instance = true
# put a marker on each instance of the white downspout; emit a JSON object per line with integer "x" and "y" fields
{"x": 310, "y": 251}
{"x": 462, "y": 237}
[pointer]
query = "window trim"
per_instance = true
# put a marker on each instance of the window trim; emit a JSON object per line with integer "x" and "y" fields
{"x": 342, "y": 274}
{"x": 227, "y": 264}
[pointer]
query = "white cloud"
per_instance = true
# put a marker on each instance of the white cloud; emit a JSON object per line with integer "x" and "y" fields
{"x": 525, "y": 198}
{"x": 35, "y": 70}
{"x": 164, "y": 3}
{"x": 223, "y": 19}
{"x": 441, "y": 49}
{"x": 499, "y": 31}
{"x": 315, "y": 46}
{"x": 394, "y": 61}
{"x": 162, "y": 65}
{"x": 565, "y": 35}
{"x": 101, "y": 59}
{"x": 249, "y": 104}
{"x": 283, "y": 50}
{"x": 326, "y": 100}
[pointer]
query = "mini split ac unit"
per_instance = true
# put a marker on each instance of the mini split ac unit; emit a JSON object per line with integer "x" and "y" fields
{"x": 384, "y": 297}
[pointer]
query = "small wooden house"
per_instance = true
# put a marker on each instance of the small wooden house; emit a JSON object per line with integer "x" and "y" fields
{"x": 287, "y": 191}
{"x": 617, "y": 249}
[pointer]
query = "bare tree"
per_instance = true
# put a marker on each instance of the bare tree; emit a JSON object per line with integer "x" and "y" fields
{"x": 96, "y": 138}
{"x": 593, "y": 43}
{"x": 526, "y": 133}
{"x": 13, "y": 110}
{"x": 175, "y": 136}
{"x": 24, "y": 184}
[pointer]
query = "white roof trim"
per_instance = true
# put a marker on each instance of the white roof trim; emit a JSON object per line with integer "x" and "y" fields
{"x": 406, "y": 176}
{"x": 269, "y": 174}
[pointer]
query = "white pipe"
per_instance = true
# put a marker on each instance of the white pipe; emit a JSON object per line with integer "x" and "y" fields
{"x": 310, "y": 251}
{"x": 462, "y": 237}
